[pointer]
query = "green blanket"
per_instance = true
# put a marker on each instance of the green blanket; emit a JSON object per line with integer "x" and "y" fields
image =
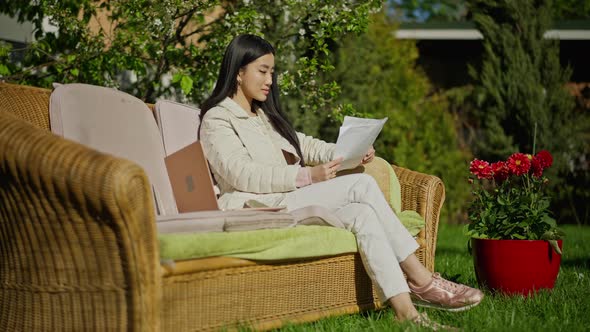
{"x": 276, "y": 244}
{"x": 270, "y": 244}
{"x": 266, "y": 244}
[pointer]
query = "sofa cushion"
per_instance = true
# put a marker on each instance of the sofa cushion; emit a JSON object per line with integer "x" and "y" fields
{"x": 387, "y": 180}
{"x": 270, "y": 244}
{"x": 178, "y": 123}
{"x": 267, "y": 244}
{"x": 117, "y": 123}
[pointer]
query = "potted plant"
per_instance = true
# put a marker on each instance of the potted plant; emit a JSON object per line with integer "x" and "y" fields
{"x": 515, "y": 243}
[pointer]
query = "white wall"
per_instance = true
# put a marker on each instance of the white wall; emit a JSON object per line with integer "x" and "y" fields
{"x": 13, "y": 31}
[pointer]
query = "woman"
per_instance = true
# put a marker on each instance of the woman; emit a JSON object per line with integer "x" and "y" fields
{"x": 255, "y": 153}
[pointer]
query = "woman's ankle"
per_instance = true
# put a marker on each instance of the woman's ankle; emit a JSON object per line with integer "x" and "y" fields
{"x": 403, "y": 307}
{"x": 416, "y": 273}
{"x": 420, "y": 280}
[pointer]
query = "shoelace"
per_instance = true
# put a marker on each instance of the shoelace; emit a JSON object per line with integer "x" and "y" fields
{"x": 447, "y": 285}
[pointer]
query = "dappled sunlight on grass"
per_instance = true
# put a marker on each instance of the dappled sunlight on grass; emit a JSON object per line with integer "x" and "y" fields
{"x": 565, "y": 308}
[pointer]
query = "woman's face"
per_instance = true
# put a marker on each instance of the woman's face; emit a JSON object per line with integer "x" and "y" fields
{"x": 256, "y": 78}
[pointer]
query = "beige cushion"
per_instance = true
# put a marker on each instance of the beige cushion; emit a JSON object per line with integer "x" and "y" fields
{"x": 178, "y": 123}
{"x": 117, "y": 123}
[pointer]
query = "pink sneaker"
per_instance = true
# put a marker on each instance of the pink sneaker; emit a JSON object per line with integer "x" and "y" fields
{"x": 443, "y": 294}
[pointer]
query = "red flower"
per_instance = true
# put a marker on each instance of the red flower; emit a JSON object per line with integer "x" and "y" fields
{"x": 536, "y": 167}
{"x": 500, "y": 171}
{"x": 544, "y": 158}
{"x": 481, "y": 169}
{"x": 519, "y": 164}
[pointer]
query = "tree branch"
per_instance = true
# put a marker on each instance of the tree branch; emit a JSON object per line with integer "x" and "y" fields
{"x": 201, "y": 28}
{"x": 183, "y": 23}
{"x": 27, "y": 71}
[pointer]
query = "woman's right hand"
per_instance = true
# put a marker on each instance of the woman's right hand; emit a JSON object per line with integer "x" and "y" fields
{"x": 325, "y": 171}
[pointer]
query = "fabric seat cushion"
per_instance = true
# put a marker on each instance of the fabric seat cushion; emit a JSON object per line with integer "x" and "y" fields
{"x": 302, "y": 241}
{"x": 266, "y": 244}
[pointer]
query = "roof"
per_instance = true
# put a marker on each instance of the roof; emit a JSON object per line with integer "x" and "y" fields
{"x": 562, "y": 30}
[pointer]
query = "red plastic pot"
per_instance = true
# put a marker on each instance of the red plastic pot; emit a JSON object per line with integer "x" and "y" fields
{"x": 515, "y": 266}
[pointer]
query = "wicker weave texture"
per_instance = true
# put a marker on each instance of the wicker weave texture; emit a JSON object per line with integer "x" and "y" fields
{"x": 77, "y": 236}
{"x": 424, "y": 194}
{"x": 78, "y": 248}
{"x": 266, "y": 295}
{"x": 28, "y": 103}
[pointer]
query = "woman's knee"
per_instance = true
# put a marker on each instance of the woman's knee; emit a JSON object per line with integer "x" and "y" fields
{"x": 366, "y": 184}
{"x": 358, "y": 216}
{"x": 369, "y": 180}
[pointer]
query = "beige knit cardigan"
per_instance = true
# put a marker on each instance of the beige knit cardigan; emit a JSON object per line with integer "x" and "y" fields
{"x": 245, "y": 156}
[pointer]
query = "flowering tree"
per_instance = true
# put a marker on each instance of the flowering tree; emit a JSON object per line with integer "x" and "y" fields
{"x": 174, "y": 47}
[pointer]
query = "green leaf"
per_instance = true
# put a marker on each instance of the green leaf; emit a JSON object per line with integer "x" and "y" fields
{"x": 549, "y": 221}
{"x": 4, "y": 48}
{"x": 186, "y": 84}
{"x": 553, "y": 234}
{"x": 177, "y": 77}
{"x": 4, "y": 70}
{"x": 555, "y": 246}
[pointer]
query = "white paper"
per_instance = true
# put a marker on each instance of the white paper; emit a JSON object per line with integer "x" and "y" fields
{"x": 355, "y": 138}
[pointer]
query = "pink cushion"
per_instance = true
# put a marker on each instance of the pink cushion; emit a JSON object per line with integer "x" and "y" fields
{"x": 117, "y": 123}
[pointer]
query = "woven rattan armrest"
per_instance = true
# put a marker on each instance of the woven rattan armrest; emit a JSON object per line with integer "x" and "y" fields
{"x": 424, "y": 194}
{"x": 78, "y": 247}
{"x": 420, "y": 192}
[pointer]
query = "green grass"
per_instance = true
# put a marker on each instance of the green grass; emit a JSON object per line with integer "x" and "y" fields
{"x": 566, "y": 308}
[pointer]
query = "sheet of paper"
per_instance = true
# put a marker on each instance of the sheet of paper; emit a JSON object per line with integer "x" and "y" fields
{"x": 354, "y": 139}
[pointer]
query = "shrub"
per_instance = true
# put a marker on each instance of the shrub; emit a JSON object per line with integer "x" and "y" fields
{"x": 378, "y": 77}
{"x": 521, "y": 96}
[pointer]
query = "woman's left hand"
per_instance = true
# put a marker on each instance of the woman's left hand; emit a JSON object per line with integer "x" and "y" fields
{"x": 369, "y": 156}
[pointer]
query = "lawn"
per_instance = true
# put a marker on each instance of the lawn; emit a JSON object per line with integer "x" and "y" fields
{"x": 566, "y": 308}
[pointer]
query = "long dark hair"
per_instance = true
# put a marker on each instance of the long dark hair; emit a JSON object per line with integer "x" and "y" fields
{"x": 243, "y": 50}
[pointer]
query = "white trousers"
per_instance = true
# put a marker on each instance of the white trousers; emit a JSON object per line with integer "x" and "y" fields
{"x": 383, "y": 242}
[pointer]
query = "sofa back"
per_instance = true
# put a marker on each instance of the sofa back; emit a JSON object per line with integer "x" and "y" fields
{"x": 32, "y": 105}
{"x": 28, "y": 103}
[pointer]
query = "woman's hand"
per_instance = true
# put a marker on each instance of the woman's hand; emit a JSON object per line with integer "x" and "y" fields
{"x": 325, "y": 171}
{"x": 369, "y": 156}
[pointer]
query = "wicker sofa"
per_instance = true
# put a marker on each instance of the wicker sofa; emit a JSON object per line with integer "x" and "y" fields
{"x": 79, "y": 249}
